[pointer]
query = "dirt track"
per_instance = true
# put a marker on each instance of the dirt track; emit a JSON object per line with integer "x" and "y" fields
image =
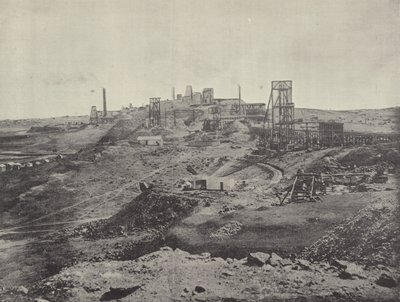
{"x": 276, "y": 174}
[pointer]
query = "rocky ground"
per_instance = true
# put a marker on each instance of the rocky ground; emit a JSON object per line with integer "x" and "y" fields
{"x": 370, "y": 237}
{"x": 80, "y": 229}
{"x": 175, "y": 275}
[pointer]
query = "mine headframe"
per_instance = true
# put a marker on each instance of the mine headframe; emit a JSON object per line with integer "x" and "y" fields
{"x": 279, "y": 117}
{"x": 155, "y": 112}
{"x": 213, "y": 122}
{"x": 94, "y": 117}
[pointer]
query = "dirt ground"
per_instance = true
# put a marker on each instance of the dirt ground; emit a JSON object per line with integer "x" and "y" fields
{"x": 86, "y": 213}
{"x": 265, "y": 227}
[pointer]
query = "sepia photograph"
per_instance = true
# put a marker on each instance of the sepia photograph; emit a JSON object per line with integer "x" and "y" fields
{"x": 188, "y": 150}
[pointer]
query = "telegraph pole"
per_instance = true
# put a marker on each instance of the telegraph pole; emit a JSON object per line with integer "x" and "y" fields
{"x": 307, "y": 137}
{"x": 174, "y": 118}
{"x": 240, "y": 98}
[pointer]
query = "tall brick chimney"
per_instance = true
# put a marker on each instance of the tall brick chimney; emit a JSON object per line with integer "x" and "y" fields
{"x": 104, "y": 103}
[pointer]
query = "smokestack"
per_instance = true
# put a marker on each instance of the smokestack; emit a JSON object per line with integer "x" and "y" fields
{"x": 104, "y": 103}
{"x": 173, "y": 93}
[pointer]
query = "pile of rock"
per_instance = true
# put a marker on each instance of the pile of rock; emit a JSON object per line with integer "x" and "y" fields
{"x": 201, "y": 277}
{"x": 227, "y": 230}
{"x": 344, "y": 269}
{"x": 274, "y": 260}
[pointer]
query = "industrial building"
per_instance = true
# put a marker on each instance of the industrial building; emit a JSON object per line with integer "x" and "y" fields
{"x": 280, "y": 133}
{"x": 102, "y": 117}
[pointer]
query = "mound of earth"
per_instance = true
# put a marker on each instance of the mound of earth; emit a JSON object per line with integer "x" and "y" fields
{"x": 372, "y": 157}
{"x": 370, "y": 237}
{"x": 367, "y": 156}
{"x": 123, "y": 129}
{"x": 153, "y": 209}
{"x": 150, "y": 132}
{"x": 45, "y": 129}
{"x": 237, "y": 130}
{"x": 148, "y": 210}
{"x": 168, "y": 275}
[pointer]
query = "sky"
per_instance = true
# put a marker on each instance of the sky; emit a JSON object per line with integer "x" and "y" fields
{"x": 55, "y": 56}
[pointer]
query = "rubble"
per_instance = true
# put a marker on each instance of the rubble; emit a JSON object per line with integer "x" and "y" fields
{"x": 339, "y": 264}
{"x": 274, "y": 260}
{"x": 227, "y": 230}
{"x": 386, "y": 280}
{"x": 258, "y": 258}
{"x": 22, "y": 289}
{"x": 118, "y": 293}
{"x": 368, "y": 238}
{"x": 199, "y": 289}
{"x": 352, "y": 271}
{"x": 304, "y": 264}
{"x": 218, "y": 280}
{"x": 149, "y": 209}
{"x": 285, "y": 262}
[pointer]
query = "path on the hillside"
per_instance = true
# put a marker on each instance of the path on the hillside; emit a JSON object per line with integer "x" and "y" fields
{"x": 276, "y": 174}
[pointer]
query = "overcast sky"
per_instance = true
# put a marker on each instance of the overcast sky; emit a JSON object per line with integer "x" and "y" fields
{"x": 56, "y": 55}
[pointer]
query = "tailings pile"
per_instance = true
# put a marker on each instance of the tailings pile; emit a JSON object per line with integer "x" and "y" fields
{"x": 149, "y": 210}
{"x": 387, "y": 156}
{"x": 370, "y": 237}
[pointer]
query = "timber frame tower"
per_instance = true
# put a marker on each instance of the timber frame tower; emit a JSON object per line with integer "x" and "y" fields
{"x": 279, "y": 116}
{"x": 155, "y": 112}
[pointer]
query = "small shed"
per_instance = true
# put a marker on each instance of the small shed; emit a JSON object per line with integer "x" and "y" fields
{"x": 151, "y": 140}
{"x": 3, "y": 168}
{"x": 213, "y": 183}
